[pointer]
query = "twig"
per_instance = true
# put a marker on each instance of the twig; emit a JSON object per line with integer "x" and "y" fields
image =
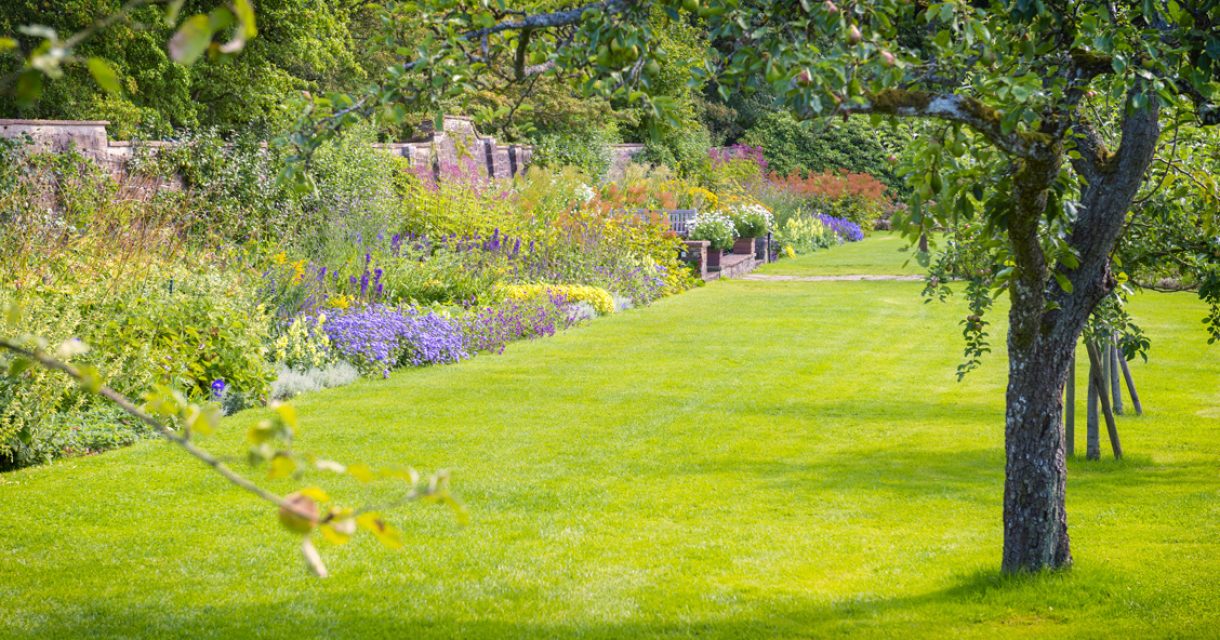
{"x": 164, "y": 431}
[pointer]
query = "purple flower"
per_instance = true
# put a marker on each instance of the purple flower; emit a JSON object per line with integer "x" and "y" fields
{"x": 378, "y": 338}
{"x": 218, "y": 388}
{"x": 847, "y": 230}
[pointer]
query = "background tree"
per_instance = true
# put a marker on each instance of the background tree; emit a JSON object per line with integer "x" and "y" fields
{"x": 1053, "y": 113}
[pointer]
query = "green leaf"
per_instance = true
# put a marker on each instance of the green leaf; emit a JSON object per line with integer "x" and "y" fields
{"x": 29, "y": 87}
{"x": 191, "y": 40}
{"x": 383, "y": 531}
{"x": 282, "y": 466}
{"x": 18, "y": 366}
{"x": 103, "y": 74}
{"x": 245, "y": 17}
{"x": 361, "y": 472}
{"x": 171, "y": 12}
{"x": 315, "y": 493}
{"x": 287, "y": 415}
{"x": 90, "y": 378}
{"x": 12, "y": 314}
{"x": 7, "y": 44}
{"x": 1063, "y": 281}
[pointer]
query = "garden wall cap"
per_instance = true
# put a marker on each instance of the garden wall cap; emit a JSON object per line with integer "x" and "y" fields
{"x": 53, "y": 123}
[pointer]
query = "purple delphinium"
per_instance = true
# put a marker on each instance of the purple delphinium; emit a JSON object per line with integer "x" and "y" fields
{"x": 847, "y": 230}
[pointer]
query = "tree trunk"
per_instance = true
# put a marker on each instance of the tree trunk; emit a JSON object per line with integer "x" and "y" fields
{"x": 1035, "y": 520}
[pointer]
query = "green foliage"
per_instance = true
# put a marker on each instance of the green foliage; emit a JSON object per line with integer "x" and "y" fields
{"x": 856, "y": 145}
{"x": 183, "y": 326}
{"x": 682, "y": 148}
{"x": 716, "y": 228}
{"x": 356, "y": 192}
{"x": 587, "y": 150}
{"x": 751, "y": 220}
{"x": 600, "y": 299}
{"x": 805, "y": 235}
{"x": 230, "y": 192}
{"x": 300, "y": 45}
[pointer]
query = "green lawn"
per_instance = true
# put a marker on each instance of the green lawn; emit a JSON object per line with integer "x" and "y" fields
{"x": 750, "y": 459}
{"x": 882, "y": 253}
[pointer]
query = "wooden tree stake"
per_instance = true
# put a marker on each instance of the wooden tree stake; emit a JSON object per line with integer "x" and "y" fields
{"x": 1135, "y": 397}
{"x": 1092, "y": 436}
{"x": 1111, "y": 427}
{"x": 1069, "y": 410}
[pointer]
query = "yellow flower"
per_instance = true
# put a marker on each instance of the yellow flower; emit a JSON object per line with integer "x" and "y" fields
{"x": 280, "y": 258}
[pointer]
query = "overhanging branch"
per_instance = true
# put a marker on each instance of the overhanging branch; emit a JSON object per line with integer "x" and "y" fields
{"x": 951, "y": 107}
{"x": 549, "y": 20}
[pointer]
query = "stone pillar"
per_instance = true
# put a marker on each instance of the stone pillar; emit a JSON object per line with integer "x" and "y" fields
{"x": 696, "y": 252}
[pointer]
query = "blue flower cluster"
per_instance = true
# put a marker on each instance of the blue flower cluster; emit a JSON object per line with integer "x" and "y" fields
{"x": 492, "y": 328}
{"x": 378, "y": 338}
{"x": 845, "y": 229}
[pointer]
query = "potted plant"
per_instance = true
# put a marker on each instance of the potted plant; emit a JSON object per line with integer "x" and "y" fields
{"x": 750, "y": 221}
{"x": 717, "y": 230}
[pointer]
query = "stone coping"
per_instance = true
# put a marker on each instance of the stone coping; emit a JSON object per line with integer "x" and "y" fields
{"x": 54, "y": 123}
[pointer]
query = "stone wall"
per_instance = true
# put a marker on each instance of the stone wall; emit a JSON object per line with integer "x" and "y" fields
{"x": 457, "y": 146}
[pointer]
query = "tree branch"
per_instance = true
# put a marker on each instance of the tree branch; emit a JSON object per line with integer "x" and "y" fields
{"x": 162, "y": 430}
{"x": 549, "y": 20}
{"x": 953, "y": 108}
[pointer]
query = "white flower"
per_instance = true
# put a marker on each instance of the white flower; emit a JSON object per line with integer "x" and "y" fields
{"x": 585, "y": 193}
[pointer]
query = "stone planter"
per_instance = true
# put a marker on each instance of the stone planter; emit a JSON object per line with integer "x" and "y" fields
{"x": 744, "y": 246}
{"x": 713, "y": 260}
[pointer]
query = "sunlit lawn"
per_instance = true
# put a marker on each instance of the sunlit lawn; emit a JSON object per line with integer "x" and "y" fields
{"x": 883, "y": 253}
{"x": 751, "y": 459}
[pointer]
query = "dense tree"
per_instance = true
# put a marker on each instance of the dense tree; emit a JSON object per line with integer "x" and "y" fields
{"x": 1053, "y": 114}
{"x": 303, "y": 45}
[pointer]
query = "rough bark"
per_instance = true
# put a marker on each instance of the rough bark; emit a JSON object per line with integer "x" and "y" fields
{"x": 1045, "y": 322}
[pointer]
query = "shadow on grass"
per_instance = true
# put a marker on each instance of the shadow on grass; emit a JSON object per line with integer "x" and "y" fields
{"x": 981, "y": 597}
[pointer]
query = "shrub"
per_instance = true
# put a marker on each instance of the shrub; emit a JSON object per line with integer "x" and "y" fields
{"x": 716, "y": 228}
{"x": 587, "y": 150}
{"x": 600, "y": 299}
{"x": 751, "y": 220}
{"x": 490, "y": 328}
{"x": 177, "y": 326}
{"x": 805, "y": 234}
{"x": 857, "y": 197}
{"x": 290, "y": 382}
{"x": 855, "y": 146}
{"x": 229, "y": 187}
